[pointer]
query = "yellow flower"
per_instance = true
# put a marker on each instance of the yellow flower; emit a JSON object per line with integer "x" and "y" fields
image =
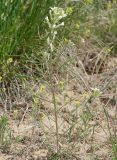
{"x": 0, "y": 78}
{"x": 15, "y": 112}
{"x": 9, "y": 60}
{"x": 69, "y": 10}
{"x": 42, "y": 88}
{"x": 87, "y": 31}
{"x": 86, "y": 95}
{"x": 108, "y": 50}
{"x": 36, "y": 100}
{"x": 77, "y": 25}
{"x": 62, "y": 84}
{"x": 66, "y": 40}
{"x": 109, "y": 5}
{"x": 77, "y": 103}
{"x": 4, "y": 89}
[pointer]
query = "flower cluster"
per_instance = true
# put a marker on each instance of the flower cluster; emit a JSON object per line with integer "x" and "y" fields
{"x": 96, "y": 92}
{"x": 54, "y": 22}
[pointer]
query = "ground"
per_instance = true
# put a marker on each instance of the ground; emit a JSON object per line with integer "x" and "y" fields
{"x": 86, "y": 125}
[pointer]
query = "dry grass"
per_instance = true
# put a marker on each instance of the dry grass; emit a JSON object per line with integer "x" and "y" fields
{"x": 86, "y": 124}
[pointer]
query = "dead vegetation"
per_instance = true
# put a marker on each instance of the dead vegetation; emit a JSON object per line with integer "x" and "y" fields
{"x": 86, "y": 122}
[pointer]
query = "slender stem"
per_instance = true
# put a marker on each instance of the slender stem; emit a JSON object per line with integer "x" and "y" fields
{"x": 56, "y": 119}
{"x": 51, "y": 71}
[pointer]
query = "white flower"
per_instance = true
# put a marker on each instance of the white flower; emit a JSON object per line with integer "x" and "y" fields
{"x": 51, "y": 47}
{"x": 96, "y": 92}
{"x": 48, "y": 22}
{"x": 55, "y": 32}
{"x": 55, "y": 15}
{"x": 58, "y": 13}
{"x": 46, "y": 18}
{"x": 59, "y": 25}
{"x": 48, "y": 40}
{"x": 53, "y": 26}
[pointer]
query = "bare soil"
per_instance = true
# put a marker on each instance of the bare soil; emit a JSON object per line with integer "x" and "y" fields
{"x": 84, "y": 127}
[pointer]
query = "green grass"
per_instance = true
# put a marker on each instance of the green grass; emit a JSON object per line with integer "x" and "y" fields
{"x": 22, "y": 29}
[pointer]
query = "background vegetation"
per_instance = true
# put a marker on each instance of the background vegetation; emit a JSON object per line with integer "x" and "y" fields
{"x": 23, "y": 29}
{"x": 86, "y": 40}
